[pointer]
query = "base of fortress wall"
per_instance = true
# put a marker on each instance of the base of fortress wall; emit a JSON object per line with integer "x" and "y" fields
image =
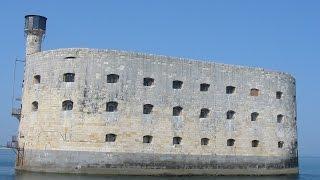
{"x": 169, "y": 172}
{"x": 85, "y": 162}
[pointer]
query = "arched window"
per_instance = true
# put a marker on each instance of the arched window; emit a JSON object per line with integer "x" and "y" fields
{"x": 280, "y": 144}
{"x": 36, "y": 79}
{"x": 254, "y": 116}
{"x": 148, "y": 81}
{"x": 147, "y": 139}
{"x": 35, "y": 106}
{"x": 230, "y": 142}
{"x": 67, "y": 105}
{"x": 111, "y": 137}
{"x": 279, "y": 118}
{"x": 147, "y": 108}
{"x": 177, "y": 111}
{"x": 112, "y": 106}
{"x": 204, "y": 87}
{"x": 278, "y": 94}
{"x": 177, "y": 84}
{"x": 255, "y": 143}
{"x": 254, "y": 92}
{"x": 204, "y": 141}
{"x": 176, "y": 140}
{"x": 230, "y": 89}
{"x": 112, "y": 78}
{"x": 68, "y": 77}
{"x": 204, "y": 113}
{"x": 230, "y": 114}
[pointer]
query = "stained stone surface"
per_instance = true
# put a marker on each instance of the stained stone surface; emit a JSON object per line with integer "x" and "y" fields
{"x": 53, "y": 139}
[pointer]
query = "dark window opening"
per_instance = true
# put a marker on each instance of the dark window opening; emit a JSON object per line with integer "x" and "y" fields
{"x": 68, "y": 77}
{"x": 67, "y": 105}
{"x": 230, "y": 142}
{"x": 112, "y": 78}
{"x": 280, "y": 144}
{"x": 204, "y": 141}
{"x": 148, "y": 81}
{"x": 147, "y": 139}
{"x": 70, "y": 57}
{"x": 204, "y": 87}
{"x": 254, "y": 116}
{"x": 230, "y": 89}
{"x": 204, "y": 113}
{"x": 255, "y": 143}
{"x": 21, "y": 135}
{"x": 177, "y": 111}
{"x": 230, "y": 114}
{"x": 34, "y": 106}
{"x": 177, "y": 140}
{"x": 280, "y": 118}
{"x": 147, "y": 108}
{"x": 254, "y": 92}
{"x": 112, "y": 106}
{"x": 177, "y": 84}
{"x": 279, "y": 94}
{"x": 111, "y": 137}
{"x": 36, "y": 79}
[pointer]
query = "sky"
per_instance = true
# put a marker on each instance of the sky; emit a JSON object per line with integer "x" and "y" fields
{"x": 277, "y": 35}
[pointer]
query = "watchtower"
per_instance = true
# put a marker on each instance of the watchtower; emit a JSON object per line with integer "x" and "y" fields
{"x": 35, "y": 29}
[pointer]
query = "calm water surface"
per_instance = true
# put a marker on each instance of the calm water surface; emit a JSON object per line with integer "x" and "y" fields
{"x": 309, "y": 169}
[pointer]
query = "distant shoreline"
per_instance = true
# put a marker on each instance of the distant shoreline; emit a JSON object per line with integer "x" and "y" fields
{"x": 310, "y": 156}
{"x": 4, "y": 148}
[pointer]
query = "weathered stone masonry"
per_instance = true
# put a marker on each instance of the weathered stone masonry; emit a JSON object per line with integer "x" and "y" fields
{"x": 156, "y": 115}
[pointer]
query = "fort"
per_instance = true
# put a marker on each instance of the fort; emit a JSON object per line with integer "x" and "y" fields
{"x": 114, "y": 112}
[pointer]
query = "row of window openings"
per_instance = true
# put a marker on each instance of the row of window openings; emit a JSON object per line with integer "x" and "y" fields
{"x": 176, "y": 84}
{"x": 177, "y": 140}
{"x": 148, "y": 108}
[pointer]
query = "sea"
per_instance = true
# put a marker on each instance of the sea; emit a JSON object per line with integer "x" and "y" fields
{"x": 309, "y": 169}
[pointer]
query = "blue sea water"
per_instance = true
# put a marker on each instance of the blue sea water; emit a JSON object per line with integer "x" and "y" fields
{"x": 309, "y": 169}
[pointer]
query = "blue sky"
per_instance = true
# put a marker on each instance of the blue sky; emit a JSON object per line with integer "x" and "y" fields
{"x": 279, "y": 35}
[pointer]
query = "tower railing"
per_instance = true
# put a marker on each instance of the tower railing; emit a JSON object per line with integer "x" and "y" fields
{"x": 16, "y": 101}
{"x": 16, "y": 112}
{"x": 19, "y": 151}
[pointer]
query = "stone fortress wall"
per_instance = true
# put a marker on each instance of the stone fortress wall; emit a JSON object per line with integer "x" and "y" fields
{"x": 66, "y": 126}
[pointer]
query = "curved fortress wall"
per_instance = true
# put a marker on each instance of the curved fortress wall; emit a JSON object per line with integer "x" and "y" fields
{"x": 199, "y": 137}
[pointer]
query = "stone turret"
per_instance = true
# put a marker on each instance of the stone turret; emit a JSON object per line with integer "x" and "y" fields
{"x": 35, "y": 29}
